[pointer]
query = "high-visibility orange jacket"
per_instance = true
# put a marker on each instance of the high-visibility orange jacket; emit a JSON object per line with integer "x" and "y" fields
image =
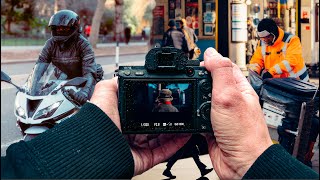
{"x": 282, "y": 59}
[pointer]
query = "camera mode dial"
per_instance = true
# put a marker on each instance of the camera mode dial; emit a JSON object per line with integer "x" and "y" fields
{"x": 204, "y": 112}
{"x": 205, "y": 86}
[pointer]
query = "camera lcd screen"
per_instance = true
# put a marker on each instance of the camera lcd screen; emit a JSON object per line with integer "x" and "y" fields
{"x": 159, "y": 105}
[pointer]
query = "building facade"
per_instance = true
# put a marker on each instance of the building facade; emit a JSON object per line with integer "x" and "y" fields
{"x": 223, "y": 24}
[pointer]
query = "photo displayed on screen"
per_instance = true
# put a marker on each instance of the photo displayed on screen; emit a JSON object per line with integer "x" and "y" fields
{"x": 159, "y": 104}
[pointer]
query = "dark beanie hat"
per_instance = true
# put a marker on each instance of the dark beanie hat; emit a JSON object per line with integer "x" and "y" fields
{"x": 171, "y": 23}
{"x": 268, "y": 25}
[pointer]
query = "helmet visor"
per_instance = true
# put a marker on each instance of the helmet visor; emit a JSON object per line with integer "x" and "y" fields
{"x": 61, "y": 30}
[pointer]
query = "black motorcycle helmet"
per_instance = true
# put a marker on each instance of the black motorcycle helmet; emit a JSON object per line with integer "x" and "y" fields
{"x": 64, "y": 24}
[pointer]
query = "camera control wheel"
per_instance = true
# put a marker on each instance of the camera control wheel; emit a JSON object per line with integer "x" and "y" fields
{"x": 205, "y": 86}
{"x": 204, "y": 111}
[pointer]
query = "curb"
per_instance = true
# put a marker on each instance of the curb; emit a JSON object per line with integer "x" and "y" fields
{"x": 17, "y": 61}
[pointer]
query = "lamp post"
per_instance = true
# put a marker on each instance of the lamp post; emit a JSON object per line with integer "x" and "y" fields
{"x": 118, "y": 26}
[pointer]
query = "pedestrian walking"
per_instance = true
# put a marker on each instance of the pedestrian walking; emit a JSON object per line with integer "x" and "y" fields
{"x": 87, "y": 30}
{"x": 143, "y": 33}
{"x": 127, "y": 34}
{"x": 190, "y": 146}
{"x": 105, "y": 32}
{"x": 251, "y": 43}
{"x": 191, "y": 38}
{"x": 174, "y": 38}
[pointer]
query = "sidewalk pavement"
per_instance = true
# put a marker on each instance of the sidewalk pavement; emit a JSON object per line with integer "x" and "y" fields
{"x": 18, "y": 54}
{"x": 184, "y": 169}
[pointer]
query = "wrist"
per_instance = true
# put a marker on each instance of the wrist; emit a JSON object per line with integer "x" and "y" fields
{"x": 252, "y": 155}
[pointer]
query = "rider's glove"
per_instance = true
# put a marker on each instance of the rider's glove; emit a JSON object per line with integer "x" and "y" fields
{"x": 266, "y": 75}
{"x": 81, "y": 96}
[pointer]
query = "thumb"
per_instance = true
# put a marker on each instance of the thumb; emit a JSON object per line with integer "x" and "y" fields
{"x": 221, "y": 70}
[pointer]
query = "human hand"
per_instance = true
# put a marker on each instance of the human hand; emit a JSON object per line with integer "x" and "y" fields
{"x": 240, "y": 132}
{"x": 266, "y": 75}
{"x": 147, "y": 150}
{"x": 81, "y": 96}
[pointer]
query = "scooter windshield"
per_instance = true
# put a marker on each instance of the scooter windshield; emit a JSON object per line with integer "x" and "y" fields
{"x": 50, "y": 79}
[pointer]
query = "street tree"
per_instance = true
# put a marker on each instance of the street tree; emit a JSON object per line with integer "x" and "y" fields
{"x": 96, "y": 21}
{"x": 17, "y": 11}
{"x": 59, "y": 5}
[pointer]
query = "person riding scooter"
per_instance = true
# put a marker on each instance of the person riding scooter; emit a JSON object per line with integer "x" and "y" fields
{"x": 70, "y": 51}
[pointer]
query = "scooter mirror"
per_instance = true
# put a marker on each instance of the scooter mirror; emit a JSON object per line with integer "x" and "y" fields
{"x": 76, "y": 81}
{"x": 5, "y": 77}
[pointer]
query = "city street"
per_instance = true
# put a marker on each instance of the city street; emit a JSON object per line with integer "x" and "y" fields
{"x": 19, "y": 71}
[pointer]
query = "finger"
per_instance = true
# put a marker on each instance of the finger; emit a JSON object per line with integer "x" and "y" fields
{"x": 238, "y": 75}
{"x": 221, "y": 70}
{"x": 242, "y": 82}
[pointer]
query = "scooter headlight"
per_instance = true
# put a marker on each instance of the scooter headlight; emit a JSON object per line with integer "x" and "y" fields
{"x": 48, "y": 111}
{"x": 21, "y": 112}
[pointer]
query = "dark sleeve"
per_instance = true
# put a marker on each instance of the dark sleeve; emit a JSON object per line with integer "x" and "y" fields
{"x": 184, "y": 44}
{"x": 87, "y": 56}
{"x": 88, "y": 146}
{"x": 164, "y": 39}
{"x": 276, "y": 163}
{"x": 46, "y": 52}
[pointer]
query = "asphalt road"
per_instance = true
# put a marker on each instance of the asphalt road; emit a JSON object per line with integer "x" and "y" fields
{"x": 19, "y": 73}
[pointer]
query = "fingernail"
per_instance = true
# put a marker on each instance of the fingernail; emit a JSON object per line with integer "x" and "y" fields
{"x": 211, "y": 52}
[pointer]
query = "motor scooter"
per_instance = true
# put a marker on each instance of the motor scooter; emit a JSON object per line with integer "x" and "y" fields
{"x": 291, "y": 107}
{"x": 50, "y": 103}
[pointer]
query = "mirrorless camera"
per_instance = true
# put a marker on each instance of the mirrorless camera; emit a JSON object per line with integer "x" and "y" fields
{"x": 169, "y": 94}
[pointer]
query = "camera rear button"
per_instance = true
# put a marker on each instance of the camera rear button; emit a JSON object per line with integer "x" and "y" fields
{"x": 127, "y": 72}
{"x": 201, "y": 73}
{"x": 139, "y": 73}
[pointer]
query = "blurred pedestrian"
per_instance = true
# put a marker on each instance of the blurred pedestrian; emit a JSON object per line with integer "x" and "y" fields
{"x": 105, "y": 32}
{"x": 251, "y": 43}
{"x": 127, "y": 34}
{"x": 191, "y": 37}
{"x": 87, "y": 30}
{"x": 143, "y": 33}
{"x": 174, "y": 38}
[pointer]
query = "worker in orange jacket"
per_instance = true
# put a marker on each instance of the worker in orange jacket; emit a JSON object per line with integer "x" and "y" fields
{"x": 278, "y": 54}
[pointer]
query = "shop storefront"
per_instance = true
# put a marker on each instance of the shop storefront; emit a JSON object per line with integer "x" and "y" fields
{"x": 201, "y": 15}
{"x": 211, "y": 19}
{"x": 284, "y": 12}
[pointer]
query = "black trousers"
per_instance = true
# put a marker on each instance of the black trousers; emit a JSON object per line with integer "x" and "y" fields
{"x": 191, "y": 53}
{"x": 190, "y": 146}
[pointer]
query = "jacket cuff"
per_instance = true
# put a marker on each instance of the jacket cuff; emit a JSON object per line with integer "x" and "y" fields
{"x": 277, "y": 163}
{"x": 272, "y": 71}
{"x": 88, "y": 146}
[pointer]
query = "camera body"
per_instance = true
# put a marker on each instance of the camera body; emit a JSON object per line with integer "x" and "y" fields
{"x": 170, "y": 94}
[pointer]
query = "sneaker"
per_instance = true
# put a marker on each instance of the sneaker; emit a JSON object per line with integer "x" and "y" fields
{"x": 168, "y": 174}
{"x": 205, "y": 171}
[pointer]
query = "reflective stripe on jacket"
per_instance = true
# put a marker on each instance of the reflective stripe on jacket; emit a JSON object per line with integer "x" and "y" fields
{"x": 282, "y": 59}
